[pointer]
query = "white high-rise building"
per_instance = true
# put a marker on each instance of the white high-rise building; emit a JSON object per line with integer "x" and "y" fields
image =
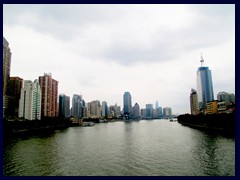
{"x": 30, "y": 101}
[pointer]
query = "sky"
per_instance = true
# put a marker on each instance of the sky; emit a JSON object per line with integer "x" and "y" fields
{"x": 101, "y": 51}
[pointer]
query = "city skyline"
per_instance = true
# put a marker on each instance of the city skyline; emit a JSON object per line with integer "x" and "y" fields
{"x": 101, "y": 56}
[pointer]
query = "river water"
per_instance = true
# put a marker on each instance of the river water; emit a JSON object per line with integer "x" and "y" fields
{"x": 138, "y": 148}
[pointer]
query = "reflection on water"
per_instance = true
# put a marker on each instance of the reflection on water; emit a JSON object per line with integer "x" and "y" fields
{"x": 152, "y": 148}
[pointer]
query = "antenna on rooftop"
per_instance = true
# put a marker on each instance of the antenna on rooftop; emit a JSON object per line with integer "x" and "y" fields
{"x": 202, "y": 61}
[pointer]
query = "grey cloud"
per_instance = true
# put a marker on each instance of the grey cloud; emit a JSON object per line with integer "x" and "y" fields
{"x": 213, "y": 25}
{"x": 62, "y": 21}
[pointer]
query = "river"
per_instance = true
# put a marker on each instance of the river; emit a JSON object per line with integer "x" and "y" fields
{"x": 137, "y": 148}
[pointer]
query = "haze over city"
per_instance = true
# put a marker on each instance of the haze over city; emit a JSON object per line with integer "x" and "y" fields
{"x": 101, "y": 51}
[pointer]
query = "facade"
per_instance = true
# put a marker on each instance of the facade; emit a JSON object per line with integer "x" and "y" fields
{"x": 167, "y": 112}
{"x": 156, "y": 105}
{"x": 30, "y": 101}
{"x": 14, "y": 93}
{"x": 204, "y": 86}
{"x": 226, "y": 97}
{"x": 136, "y": 111}
{"x": 143, "y": 113}
{"x": 104, "y": 109}
{"x": 221, "y": 106}
{"x": 194, "y": 102}
{"x": 212, "y": 107}
{"x": 64, "y": 106}
{"x": 158, "y": 113}
{"x": 127, "y": 103}
{"x": 149, "y": 111}
{"x": 6, "y": 72}
{"x": 95, "y": 109}
{"x": 49, "y": 88}
{"x": 77, "y": 106}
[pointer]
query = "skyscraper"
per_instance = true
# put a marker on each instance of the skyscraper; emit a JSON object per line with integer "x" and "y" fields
{"x": 136, "y": 111}
{"x": 204, "y": 85}
{"x": 127, "y": 103}
{"x": 104, "y": 109}
{"x": 193, "y": 102}
{"x": 30, "y": 101}
{"x": 14, "y": 93}
{"x": 95, "y": 109}
{"x": 156, "y": 105}
{"x": 77, "y": 106}
{"x": 64, "y": 106}
{"x": 167, "y": 112}
{"x": 149, "y": 111}
{"x": 6, "y": 71}
{"x": 49, "y": 88}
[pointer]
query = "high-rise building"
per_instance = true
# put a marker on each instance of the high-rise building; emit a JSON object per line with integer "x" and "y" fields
{"x": 6, "y": 72}
{"x": 136, "y": 111}
{"x": 204, "y": 86}
{"x": 194, "y": 102}
{"x": 226, "y": 97}
{"x": 156, "y": 105}
{"x": 78, "y": 106}
{"x": 14, "y": 92}
{"x": 149, "y": 111}
{"x": 143, "y": 113}
{"x": 158, "y": 112}
{"x": 30, "y": 101}
{"x": 167, "y": 112}
{"x": 64, "y": 106}
{"x": 49, "y": 88}
{"x": 104, "y": 109}
{"x": 95, "y": 109}
{"x": 127, "y": 103}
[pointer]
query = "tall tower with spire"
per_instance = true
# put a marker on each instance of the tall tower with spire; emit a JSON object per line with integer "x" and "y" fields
{"x": 204, "y": 85}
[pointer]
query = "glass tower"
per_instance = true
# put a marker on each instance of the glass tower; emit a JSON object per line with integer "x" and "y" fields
{"x": 127, "y": 103}
{"x": 204, "y": 85}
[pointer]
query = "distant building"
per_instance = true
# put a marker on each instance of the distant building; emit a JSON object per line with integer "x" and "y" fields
{"x": 6, "y": 72}
{"x": 212, "y": 107}
{"x": 136, "y": 111}
{"x": 127, "y": 103}
{"x": 194, "y": 102}
{"x": 167, "y": 112}
{"x": 76, "y": 106}
{"x": 14, "y": 93}
{"x": 79, "y": 109}
{"x": 143, "y": 113}
{"x": 64, "y": 106}
{"x": 158, "y": 112}
{"x": 30, "y": 101}
{"x": 104, "y": 109}
{"x": 95, "y": 109}
{"x": 49, "y": 88}
{"x": 226, "y": 97}
{"x": 204, "y": 86}
{"x": 149, "y": 111}
{"x": 156, "y": 105}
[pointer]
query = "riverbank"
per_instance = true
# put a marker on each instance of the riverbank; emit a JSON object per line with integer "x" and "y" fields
{"x": 18, "y": 127}
{"x": 220, "y": 123}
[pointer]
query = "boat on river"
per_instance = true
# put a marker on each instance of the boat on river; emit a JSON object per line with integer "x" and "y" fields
{"x": 87, "y": 124}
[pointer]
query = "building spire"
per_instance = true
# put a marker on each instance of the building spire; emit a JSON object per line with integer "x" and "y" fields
{"x": 201, "y": 60}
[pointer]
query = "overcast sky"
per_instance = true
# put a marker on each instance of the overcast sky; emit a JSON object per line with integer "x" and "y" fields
{"x": 101, "y": 51}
